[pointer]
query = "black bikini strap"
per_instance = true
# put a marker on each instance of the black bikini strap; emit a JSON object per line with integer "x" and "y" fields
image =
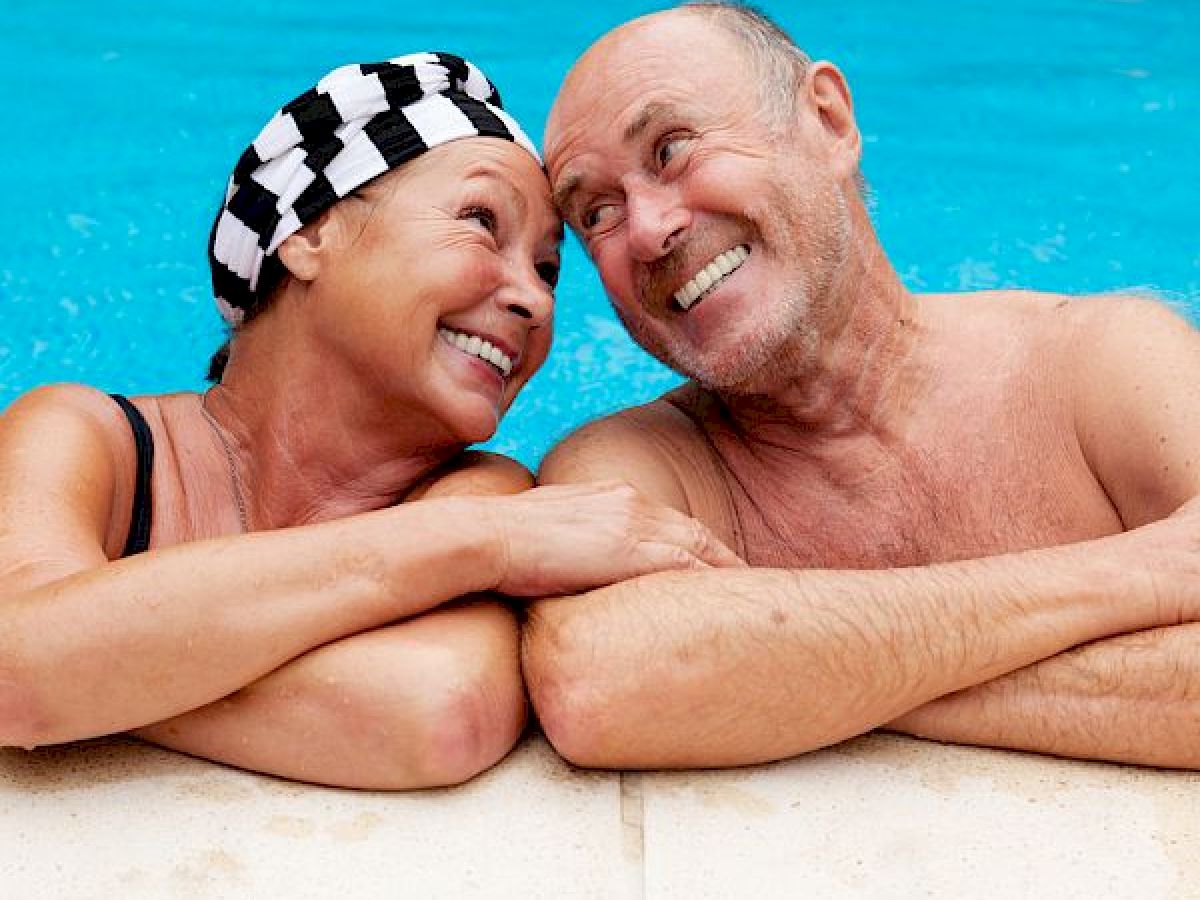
{"x": 143, "y": 504}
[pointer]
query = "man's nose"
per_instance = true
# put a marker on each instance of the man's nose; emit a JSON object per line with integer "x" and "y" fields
{"x": 656, "y": 218}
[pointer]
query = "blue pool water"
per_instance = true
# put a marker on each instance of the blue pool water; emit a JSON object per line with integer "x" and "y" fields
{"x": 1012, "y": 143}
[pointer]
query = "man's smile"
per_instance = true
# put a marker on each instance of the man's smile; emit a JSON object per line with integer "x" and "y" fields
{"x": 708, "y": 278}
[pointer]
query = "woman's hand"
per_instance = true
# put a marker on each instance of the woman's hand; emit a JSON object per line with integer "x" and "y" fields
{"x": 568, "y": 538}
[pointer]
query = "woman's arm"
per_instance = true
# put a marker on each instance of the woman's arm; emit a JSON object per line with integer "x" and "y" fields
{"x": 90, "y": 647}
{"x": 430, "y": 701}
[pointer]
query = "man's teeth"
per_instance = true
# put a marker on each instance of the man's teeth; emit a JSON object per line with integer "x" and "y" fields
{"x": 712, "y": 275}
{"x": 474, "y": 345}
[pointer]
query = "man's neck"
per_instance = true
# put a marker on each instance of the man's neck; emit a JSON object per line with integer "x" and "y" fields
{"x": 862, "y": 373}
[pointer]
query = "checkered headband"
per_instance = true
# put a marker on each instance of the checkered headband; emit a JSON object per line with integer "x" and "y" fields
{"x": 359, "y": 121}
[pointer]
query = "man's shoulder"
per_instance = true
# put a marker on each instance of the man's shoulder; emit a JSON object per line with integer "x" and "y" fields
{"x": 1044, "y": 307}
{"x": 647, "y": 446}
{"x": 653, "y": 430}
{"x": 473, "y": 473}
{"x": 1063, "y": 325}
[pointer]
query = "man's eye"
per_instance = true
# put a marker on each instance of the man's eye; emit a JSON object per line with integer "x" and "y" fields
{"x": 483, "y": 215}
{"x": 596, "y": 216}
{"x": 667, "y": 150}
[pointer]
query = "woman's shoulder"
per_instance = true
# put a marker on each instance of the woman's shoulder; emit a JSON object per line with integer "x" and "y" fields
{"x": 64, "y": 406}
{"x": 474, "y": 473}
{"x": 68, "y": 451}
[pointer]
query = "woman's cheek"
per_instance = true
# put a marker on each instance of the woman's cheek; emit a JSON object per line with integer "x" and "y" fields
{"x": 537, "y": 348}
{"x": 479, "y": 275}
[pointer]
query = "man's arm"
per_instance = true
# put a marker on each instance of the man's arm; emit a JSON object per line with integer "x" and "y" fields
{"x": 739, "y": 666}
{"x": 1134, "y": 369}
{"x": 724, "y": 668}
{"x": 1136, "y": 698}
{"x": 1133, "y": 698}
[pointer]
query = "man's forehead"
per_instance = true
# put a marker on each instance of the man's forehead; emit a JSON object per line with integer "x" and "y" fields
{"x": 634, "y": 77}
{"x": 591, "y": 137}
{"x": 625, "y": 125}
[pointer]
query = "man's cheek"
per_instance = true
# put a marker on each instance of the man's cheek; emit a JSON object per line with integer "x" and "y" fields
{"x": 614, "y": 273}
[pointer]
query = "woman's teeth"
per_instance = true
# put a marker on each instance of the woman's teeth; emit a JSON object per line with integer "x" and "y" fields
{"x": 712, "y": 275}
{"x": 474, "y": 345}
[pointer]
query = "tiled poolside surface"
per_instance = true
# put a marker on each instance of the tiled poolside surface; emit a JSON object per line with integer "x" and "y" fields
{"x": 879, "y": 817}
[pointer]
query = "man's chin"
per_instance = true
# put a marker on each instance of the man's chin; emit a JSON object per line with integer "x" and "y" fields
{"x": 737, "y": 375}
{"x": 746, "y": 365}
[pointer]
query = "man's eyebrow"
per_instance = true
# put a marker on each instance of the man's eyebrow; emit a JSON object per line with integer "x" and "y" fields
{"x": 570, "y": 185}
{"x": 649, "y": 113}
{"x": 564, "y": 192}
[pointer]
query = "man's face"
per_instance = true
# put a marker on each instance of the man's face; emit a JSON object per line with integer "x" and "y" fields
{"x": 715, "y": 230}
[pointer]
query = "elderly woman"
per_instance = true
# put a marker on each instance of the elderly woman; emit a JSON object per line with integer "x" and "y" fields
{"x": 290, "y": 572}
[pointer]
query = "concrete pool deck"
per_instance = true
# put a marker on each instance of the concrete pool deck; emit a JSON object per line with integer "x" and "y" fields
{"x": 882, "y": 816}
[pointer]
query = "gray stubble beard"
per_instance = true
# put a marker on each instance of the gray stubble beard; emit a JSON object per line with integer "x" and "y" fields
{"x": 788, "y": 343}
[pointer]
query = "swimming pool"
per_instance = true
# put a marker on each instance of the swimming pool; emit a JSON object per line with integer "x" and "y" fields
{"x": 1019, "y": 143}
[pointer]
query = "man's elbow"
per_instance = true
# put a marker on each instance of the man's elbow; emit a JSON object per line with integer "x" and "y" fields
{"x": 574, "y": 702}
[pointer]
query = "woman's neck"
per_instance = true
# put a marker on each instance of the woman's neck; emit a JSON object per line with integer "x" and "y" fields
{"x": 309, "y": 446}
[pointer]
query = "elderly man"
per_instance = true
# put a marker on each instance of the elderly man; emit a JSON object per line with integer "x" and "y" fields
{"x": 965, "y": 517}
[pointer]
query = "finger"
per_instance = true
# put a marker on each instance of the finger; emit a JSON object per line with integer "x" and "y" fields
{"x": 696, "y": 537}
{"x": 718, "y": 554}
{"x": 666, "y": 556}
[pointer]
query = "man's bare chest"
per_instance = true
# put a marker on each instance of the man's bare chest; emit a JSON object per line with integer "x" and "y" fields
{"x": 913, "y": 511}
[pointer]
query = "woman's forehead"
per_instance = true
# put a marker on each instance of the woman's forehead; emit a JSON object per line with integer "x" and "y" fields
{"x": 496, "y": 166}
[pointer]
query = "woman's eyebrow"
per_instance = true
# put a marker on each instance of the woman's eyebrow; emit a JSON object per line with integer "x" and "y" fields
{"x": 486, "y": 172}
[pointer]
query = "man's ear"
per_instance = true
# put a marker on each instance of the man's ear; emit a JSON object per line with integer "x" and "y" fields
{"x": 303, "y": 252}
{"x": 830, "y": 96}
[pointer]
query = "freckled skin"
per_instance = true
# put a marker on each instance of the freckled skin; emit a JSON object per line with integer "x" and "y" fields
{"x": 926, "y": 486}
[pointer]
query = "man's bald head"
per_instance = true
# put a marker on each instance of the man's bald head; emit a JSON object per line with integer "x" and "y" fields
{"x": 777, "y": 64}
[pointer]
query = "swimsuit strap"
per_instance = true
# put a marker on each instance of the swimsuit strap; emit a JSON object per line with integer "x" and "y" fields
{"x": 143, "y": 508}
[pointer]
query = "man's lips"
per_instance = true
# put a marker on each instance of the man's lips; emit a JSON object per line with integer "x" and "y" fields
{"x": 710, "y": 276}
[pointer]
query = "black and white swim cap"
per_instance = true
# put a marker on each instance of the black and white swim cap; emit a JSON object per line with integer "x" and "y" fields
{"x": 359, "y": 122}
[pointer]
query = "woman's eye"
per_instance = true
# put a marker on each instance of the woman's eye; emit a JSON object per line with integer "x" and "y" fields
{"x": 548, "y": 272}
{"x": 667, "y": 150}
{"x": 483, "y": 215}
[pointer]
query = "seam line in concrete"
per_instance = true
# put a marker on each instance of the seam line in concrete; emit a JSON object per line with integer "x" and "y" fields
{"x": 633, "y": 831}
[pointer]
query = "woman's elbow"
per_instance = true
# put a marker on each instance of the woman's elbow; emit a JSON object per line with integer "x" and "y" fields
{"x": 472, "y": 725}
{"x": 23, "y": 722}
{"x": 446, "y": 713}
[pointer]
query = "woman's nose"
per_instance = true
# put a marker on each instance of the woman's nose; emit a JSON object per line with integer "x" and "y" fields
{"x": 529, "y": 297}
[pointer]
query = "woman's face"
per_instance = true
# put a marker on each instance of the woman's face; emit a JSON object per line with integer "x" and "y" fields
{"x": 439, "y": 286}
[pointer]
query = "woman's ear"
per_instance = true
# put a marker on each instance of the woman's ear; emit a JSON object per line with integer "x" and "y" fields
{"x": 303, "y": 252}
